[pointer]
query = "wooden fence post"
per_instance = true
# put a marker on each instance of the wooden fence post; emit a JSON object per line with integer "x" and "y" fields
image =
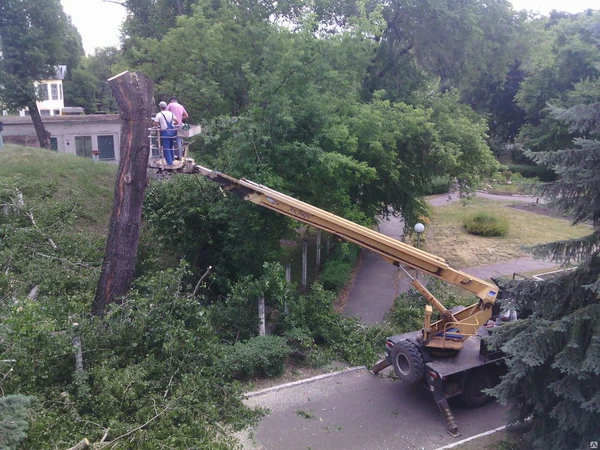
{"x": 261, "y": 317}
{"x": 304, "y": 264}
{"x": 318, "y": 250}
{"x": 288, "y": 278}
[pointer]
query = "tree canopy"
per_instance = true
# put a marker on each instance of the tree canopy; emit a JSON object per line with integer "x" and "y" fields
{"x": 35, "y": 37}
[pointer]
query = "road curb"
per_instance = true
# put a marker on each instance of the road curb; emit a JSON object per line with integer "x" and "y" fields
{"x": 304, "y": 381}
{"x": 477, "y": 436}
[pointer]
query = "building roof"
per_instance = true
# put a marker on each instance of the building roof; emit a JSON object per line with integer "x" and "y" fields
{"x": 90, "y": 118}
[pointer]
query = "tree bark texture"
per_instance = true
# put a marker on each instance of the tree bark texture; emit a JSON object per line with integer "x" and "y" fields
{"x": 179, "y": 8}
{"x": 134, "y": 93}
{"x": 42, "y": 135}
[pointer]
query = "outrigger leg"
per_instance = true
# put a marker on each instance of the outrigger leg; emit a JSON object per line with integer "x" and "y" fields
{"x": 451, "y": 426}
{"x": 380, "y": 366}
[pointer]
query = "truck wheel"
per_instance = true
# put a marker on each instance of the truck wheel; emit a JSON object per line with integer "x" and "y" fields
{"x": 472, "y": 395}
{"x": 408, "y": 362}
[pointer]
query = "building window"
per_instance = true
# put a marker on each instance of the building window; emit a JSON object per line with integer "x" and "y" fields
{"x": 83, "y": 146}
{"x": 57, "y": 112}
{"x": 54, "y": 144}
{"x": 42, "y": 92}
{"x": 60, "y": 91}
{"x": 44, "y": 112}
{"x": 54, "y": 89}
{"x": 106, "y": 147}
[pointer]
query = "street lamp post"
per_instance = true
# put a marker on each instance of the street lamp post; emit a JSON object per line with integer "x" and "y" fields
{"x": 419, "y": 229}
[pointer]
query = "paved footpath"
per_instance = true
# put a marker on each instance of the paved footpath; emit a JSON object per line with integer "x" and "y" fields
{"x": 378, "y": 283}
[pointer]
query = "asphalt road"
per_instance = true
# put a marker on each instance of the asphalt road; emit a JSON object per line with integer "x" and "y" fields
{"x": 357, "y": 411}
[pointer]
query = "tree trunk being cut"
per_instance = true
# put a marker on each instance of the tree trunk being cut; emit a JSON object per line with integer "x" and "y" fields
{"x": 134, "y": 93}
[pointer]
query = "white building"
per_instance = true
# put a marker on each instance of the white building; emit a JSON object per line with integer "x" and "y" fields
{"x": 76, "y": 135}
{"x": 50, "y": 92}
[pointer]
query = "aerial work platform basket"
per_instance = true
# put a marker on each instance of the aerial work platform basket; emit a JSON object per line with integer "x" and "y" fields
{"x": 181, "y": 163}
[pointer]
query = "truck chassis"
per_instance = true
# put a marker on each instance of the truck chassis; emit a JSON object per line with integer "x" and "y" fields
{"x": 463, "y": 374}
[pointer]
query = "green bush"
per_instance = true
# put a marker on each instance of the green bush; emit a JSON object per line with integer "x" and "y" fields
{"x": 319, "y": 334}
{"x": 484, "y": 224}
{"x": 439, "y": 185}
{"x": 336, "y": 272}
{"x": 542, "y": 173}
{"x": 260, "y": 356}
{"x": 335, "y": 275}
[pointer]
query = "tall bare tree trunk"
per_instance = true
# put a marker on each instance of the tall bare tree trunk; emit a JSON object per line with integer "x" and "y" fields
{"x": 134, "y": 93}
{"x": 179, "y": 8}
{"x": 42, "y": 135}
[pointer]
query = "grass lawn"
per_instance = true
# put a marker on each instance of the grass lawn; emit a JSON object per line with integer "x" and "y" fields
{"x": 62, "y": 177}
{"x": 445, "y": 236}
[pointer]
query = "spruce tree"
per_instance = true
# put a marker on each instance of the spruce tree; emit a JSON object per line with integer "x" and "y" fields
{"x": 13, "y": 423}
{"x": 554, "y": 354}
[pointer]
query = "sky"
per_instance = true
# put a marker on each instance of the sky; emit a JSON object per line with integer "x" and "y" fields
{"x": 98, "y": 22}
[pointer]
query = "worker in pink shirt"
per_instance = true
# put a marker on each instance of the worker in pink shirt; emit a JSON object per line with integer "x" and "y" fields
{"x": 178, "y": 111}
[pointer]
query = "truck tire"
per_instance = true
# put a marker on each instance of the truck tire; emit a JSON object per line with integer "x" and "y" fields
{"x": 478, "y": 380}
{"x": 408, "y": 362}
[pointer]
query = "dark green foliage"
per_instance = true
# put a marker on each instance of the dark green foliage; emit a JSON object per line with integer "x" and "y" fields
{"x": 190, "y": 219}
{"x": 439, "y": 185}
{"x": 314, "y": 330}
{"x": 236, "y": 315}
{"x": 335, "y": 275}
{"x": 336, "y": 271}
{"x": 444, "y": 39}
{"x": 260, "y": 356}
{"x": 86, "y": 85}
{"x": 554, "y": 354}
{"x": 533, "y": 171}
{"x": 31, "y": 46}
{"x": 155, "y": 356}
{"x": 567, "y": 54}
{"x": 150, "y": 19}
{"x": 13, "y": 420}
{"x": 312, "y": 320}
{"x": 285, "y": 109}
{"x": 554, "y": 358}
{"x": 407, "y": 313}
{"x": 484, "y": 224}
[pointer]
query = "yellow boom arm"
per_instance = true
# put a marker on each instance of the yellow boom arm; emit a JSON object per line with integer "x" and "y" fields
{"x": 446, "y": 333}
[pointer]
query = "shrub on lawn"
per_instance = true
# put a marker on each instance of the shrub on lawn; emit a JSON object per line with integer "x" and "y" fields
{"x": 484, "y": 224}
{"x": 260, "y": 356}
